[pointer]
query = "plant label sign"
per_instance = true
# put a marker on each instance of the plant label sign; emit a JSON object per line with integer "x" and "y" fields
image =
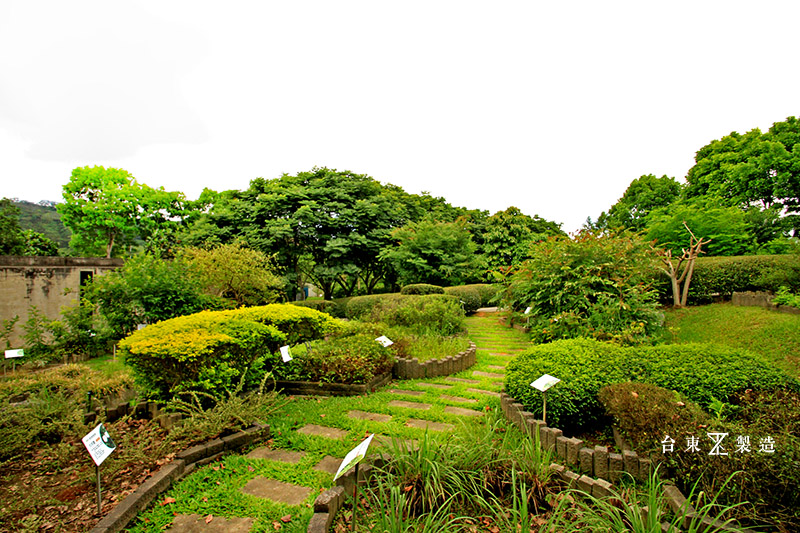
{"x": 527, "y": 311}
{"x": 10, "y": 354}
{"x": 285, "y": 355}
{"x": 384, "y": 340}
{"x": 353, "y": 457}
{"x": 99, "y": 444}
{"x": 544, "y": 382}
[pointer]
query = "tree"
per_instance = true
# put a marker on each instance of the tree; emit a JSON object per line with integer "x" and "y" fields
{"x": 236, "y": 273}
{"x": 642, "y": 196}
{"x": 507, "y": 236}
{"x": 673, "y": 270}
{"x": 107, "y": 208}
{"x": 12, "y": 241}
{"x": 38, "y": 244}
{"x": 439, "y": 253}
{"x": 726, "y": 227}
{"x": 756, "y": 168}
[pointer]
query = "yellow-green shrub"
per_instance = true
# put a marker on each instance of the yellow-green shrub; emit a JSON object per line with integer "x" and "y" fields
{"x": 212, "y": 351}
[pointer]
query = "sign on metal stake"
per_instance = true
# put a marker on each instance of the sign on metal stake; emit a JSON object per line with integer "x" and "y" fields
{"x": 99, "y": 445}
{"x": 542, "y": 384}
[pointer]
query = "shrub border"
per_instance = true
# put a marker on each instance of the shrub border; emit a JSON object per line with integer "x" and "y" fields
{"x": 184, "y": 464}
{"x": 321, "y": 388}
{"x": 405, "y": 368}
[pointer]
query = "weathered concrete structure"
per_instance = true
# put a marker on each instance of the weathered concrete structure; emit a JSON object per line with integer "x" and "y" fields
{"x": 49, "y": 283}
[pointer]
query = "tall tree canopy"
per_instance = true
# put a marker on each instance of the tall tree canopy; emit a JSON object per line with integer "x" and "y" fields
{"x": 506, "y": 236}
{"x": 642, "y": 196}
{"x": 106, "y": 208}
{"x": 752, "y": 169}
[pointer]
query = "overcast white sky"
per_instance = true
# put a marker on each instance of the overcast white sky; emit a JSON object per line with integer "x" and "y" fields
{"x": 554, "y": 107}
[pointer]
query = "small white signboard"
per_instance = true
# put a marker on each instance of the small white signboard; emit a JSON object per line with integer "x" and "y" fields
{"x": 285, "y": 354}
{"x": 14, "y": 353}
{"x": 527, "y": 311}
{"x": 384, "y": 340}
{"x": 544, "y": 382}
{"x": 355, "y": 456}
{"x": 140, "y": 326}
{"x": 99, "y": 444}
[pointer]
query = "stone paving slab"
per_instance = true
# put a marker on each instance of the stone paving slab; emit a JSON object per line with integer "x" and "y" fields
{"x": 409, "y": 392}
{"x": 277, "y": 491}
{"x": 284, "y": 456}
{"x": 487, "y": 392}
{"x": 460, "y": 411}
{"x": 322, "y": 431}
{"x": 410, "y": 405}
{"x": 496, "y": 367}
{"x": 502, "y": 354}
{"x": 457, "y": 399}
{"x": 329, "y": 464}
{"x": 462, "y": 380}
{"x": 364, "y": 415}
{"x": 488, "y": 374}
{"x": 194, "y": 523}
{"x": 435, "y": 385}
{"x": 427, "y": 424}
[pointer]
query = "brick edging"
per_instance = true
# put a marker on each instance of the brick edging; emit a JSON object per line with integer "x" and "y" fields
{"x": 184, "y": 464}
{"x": 605, "y": 466}
{"x": 405, "y": 368}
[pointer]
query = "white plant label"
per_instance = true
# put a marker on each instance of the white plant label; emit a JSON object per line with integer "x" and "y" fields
{"x": 285, "y": 355}
{"x": 544, "y": 382}
{"x": 353, "y": 457}
{"x": 140, "y": 326}
{"x": 384, "y": 340}
{"x": 527, "y": 311}
{"x": 99, "y": 444}
{"x": 14, "y": 353}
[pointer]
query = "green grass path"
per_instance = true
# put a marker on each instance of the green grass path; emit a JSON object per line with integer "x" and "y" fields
{"x": 216, "y": 489}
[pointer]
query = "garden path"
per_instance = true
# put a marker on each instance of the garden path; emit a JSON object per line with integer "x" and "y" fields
{"x": 273, "y": 486}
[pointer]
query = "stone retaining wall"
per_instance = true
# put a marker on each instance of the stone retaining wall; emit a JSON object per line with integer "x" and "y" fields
{"x": 413, "y": 369}
{"x": 761, "y": 299}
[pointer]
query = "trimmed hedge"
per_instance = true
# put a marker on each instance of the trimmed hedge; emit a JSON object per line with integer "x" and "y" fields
{"x": 422, "y": 289}
{"x": 352, "y": 359}
{"x": 210, "y": 351}
{"x": 702, "y": 372}
{"x": 469, "y": 297}
{"x": 726, "y": 275}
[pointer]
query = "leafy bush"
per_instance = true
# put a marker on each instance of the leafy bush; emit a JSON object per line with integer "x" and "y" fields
{"x": 488, "y": 291}
{"x": 433, "y": 313}
{"x": 469, "y": 297}
{"x": 784, "y": 297}
{"x": 332, "y": 307}
{"x": 210, "y": 351}
{"x": 594, "y": 285}
{"x": 422, "y": 288}
{"x": 351, "y": 359}
{"x": 726, "y": 275}
{"x": 703, "y": 372}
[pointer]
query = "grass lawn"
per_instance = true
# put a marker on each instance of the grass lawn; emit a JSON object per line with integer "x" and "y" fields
{"x": 775, "y": 336}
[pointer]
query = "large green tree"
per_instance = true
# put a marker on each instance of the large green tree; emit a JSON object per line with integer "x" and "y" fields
{"x": 12, "y": 240}
{"x": 106, "y": 208}
{"x": 440, "y": 253}
{"x": 506, "y": 236}
{"x": 642, "y": 196}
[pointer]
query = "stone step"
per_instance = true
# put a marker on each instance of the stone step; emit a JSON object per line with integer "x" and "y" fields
{"x": 488, "y": 375}
{"x": 364, "y": 415}
{"x": 409, "y": 392}
{"x": 284, "y": 456}
{"x": 194, "y": 523}
{"x": 435, "y": 385}
{"x": 460, "y": 411}
{"x": 457, "y": 399}
{"x": 328, "y": 464}
{"x": 462, "y": 380}
{"x": 322, "y": 431}
{"x": 410, "y": 405}
{"x": 483, "y": 391}
{"x": 496, "y": 367}
{"x": 427, "y": 424}
{"x": 277, "y": 491}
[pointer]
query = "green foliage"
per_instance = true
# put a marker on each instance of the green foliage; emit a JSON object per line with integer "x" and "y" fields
{"x": 785, "y": 297}
{"x": 332, "y": 307}
{"x": 107, "y": 208}
{"x": 12, "y": 241}
{"x": 468, "y": 296}
{"x": 726, "y": 275}
{"x": 350, "y": 359}
{"x": 594, "y": 284}
{"x": 145, "y": 290}
{"x": 438, "y": 253}
{"x": 39, "y": 245}
{"x": 236, "y": 273}
{"x": 487, "y": 291}
{"x": 43, "y": 218}
{"x": 507, "y": 236}
{"x": 725, "y": 226}
{"x": 433, "y": 313}
{"x": 6, "y": 329}
{"x": 212, "y": 350}
{"x": 642, "y": 197}
{"x": 422, "y": 288}
{"x": 702, "y": 372}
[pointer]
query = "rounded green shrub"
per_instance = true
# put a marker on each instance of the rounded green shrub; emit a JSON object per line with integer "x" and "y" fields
{"x": 212, "y": 351}
{"x": 468, "y": 296}
{"x": 422, "y": 289}
{"x": 702, "y": 372}
{"x": 351, "y": 359}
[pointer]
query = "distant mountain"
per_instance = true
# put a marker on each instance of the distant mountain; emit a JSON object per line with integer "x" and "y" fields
{"x": 44, "y": 218}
